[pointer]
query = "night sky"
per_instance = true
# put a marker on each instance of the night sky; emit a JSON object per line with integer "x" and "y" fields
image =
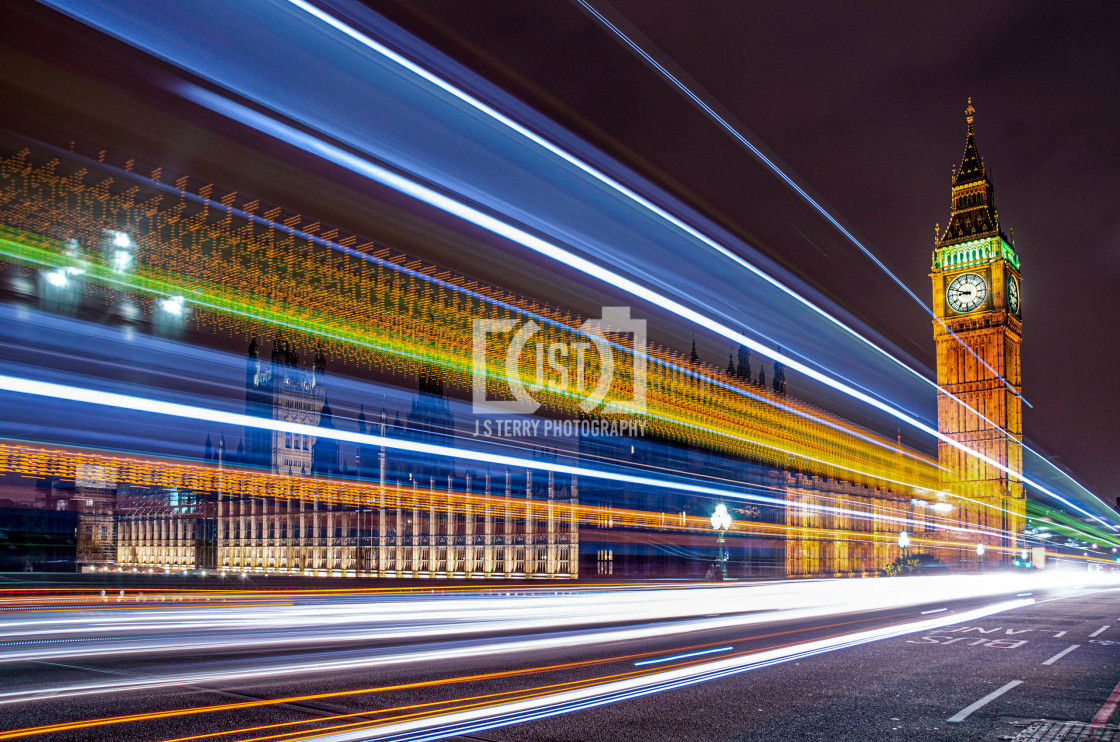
{"x": 865, "y": 107}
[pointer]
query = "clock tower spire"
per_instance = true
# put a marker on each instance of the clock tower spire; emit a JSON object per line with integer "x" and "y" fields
{"x": 976, "y": 297}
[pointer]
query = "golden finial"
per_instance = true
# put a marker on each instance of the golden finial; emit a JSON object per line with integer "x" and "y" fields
{"x": 969, "y": 112}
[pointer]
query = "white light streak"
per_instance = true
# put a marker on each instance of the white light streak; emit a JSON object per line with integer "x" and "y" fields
{"x": 498, "y": 227}
{"x": 173, "y": 409}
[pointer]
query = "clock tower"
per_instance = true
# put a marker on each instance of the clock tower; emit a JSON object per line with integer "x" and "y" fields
{"x": 977, "y": 298}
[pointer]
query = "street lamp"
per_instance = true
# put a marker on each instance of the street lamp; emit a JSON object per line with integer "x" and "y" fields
{"x": 173, "y": 305}
{"x": 721, "y": 522}
{"x": 903, "y": 542}
{"x": 980, "y": 554}
{"x": 170, "y": 316}
{"x": 122, "y": 257}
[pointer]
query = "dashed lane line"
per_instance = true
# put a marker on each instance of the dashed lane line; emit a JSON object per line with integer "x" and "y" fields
{"x": 969, "y": 709}
{"x": 1061, "y": 654}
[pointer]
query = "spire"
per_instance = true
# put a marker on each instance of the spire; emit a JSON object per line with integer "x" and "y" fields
{"x": 744, "y": 362}
{"x": 326, "y": 416}
{"x": 207, "y": 449}
{"x": 694, "y": 357}
{"x": 972, "y": 164}
{"x": 730, "y": 365}
{"x": 973, "y": 203}
{"x": 779, "y": 376}
{"x": 361, "y": 418}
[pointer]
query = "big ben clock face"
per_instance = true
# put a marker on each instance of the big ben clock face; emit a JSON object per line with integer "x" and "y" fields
{"x": 1013, "y": 294}
{"x": 967, "y": 292}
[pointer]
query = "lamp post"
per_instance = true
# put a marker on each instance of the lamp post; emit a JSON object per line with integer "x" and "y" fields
{"x": 721, "y": 523}
{"x": 903, "y": 543}
{"x": 980, "y": 555}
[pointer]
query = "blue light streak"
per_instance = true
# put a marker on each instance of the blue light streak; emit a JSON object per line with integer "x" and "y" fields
{"x": 738, "y": 136}
{"x": 142, "y": 29}
{"x": 114, "y": 400}
{"x": 682, "y": 656}
{"x": 483, "y": 220}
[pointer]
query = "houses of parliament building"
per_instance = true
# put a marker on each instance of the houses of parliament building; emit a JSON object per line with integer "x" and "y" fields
{"x": 277, "y": 501}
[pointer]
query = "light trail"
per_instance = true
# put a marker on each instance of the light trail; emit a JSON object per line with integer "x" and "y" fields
{"x": 483, "y": 220}
{"x": 33, "y": 253}
{"x": 158, "y": 407}
{"x": 237, "y": 706}
{"x": 662, "y": 611}
{"x": 41, "y": 461}
{"x": 682, "y": 656}
{"x": 113, "y": 25}
{"x": 773, "y": 166}
{"x": 136, "y": 283}
{"x": 218, "y": 305}
{"x": 523, "y": 131}
{"x": 645, "y": 203}
{"x": 724, "y": 424}
{"x": 521, "y": 711}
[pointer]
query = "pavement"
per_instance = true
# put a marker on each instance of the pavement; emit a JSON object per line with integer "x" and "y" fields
{"x": 1040, "y": 667}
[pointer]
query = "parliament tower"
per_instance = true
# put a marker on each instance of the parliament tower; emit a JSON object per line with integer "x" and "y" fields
{"x": 976, "y": 297}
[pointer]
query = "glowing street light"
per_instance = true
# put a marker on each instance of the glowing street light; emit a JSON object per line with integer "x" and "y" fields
{"x": 173, "y": 305}
{"x": 980, "y": 554}
{"x": 721, "y": 522}
{"x": 121, "y": 257}
{"x": 59, "y": 290}
{"x": 171, "y": 317}
{"x": 903, "y": 541}
{"x": 121, "y": 260}
{"x": 721, "y": 519}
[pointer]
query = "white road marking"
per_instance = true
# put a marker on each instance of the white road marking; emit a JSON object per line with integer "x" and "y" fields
{"x": 1060, "y": 634}
{"x": 1099, "y": 631}
{"x": 935, "y": 610}
{"x": 967, "y": 710}
{"x": 1061, "y": 654}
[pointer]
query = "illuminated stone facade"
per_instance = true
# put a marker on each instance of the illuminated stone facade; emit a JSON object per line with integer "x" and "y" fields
{"x": 402, "y": 515}
{"x": 431, "y": 532}
{"x": 281, "y": 390}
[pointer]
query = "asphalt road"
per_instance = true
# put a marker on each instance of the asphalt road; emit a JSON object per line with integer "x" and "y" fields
{"x": 1057, "y": 659}
{"x": 906, "y": 688}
